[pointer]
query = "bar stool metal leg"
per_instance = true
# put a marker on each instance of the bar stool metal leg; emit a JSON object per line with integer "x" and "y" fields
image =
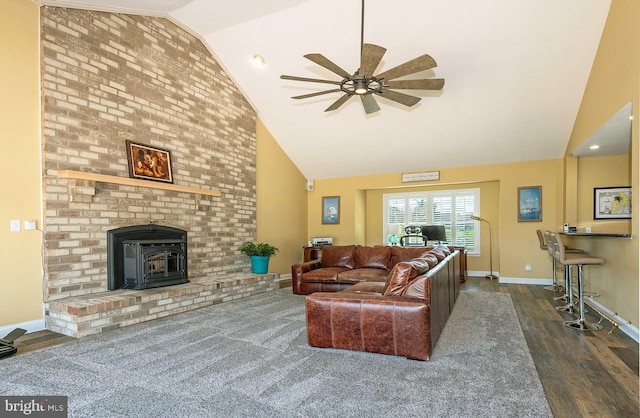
{"x": 569, "y": 307}
{"x": 555, "y": 286}
{"x": 580, "y": 323}
{"x": 565, "y": 296}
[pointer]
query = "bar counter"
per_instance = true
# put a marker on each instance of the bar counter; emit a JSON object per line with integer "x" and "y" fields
{"x": 595, "y": 234}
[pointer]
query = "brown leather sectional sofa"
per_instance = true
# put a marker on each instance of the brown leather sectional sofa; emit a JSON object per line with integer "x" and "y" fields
{"x": 387, "y": 300}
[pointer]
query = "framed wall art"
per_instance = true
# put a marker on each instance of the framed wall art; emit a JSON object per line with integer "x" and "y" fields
{"x": 530, "y": 204}
{"x": 331, "y": 210}
{"x": 149, "y": 163}
{"x": 612, "y": 203}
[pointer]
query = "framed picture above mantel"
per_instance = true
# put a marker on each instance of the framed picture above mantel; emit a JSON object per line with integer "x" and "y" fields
{"x": 149, "y": 163}
{"x": 612, "y": 202}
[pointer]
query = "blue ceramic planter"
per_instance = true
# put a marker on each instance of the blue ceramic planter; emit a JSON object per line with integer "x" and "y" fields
{"x": 259, "y": 264}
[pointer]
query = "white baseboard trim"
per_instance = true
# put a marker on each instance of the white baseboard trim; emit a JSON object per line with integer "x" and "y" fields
{"x": 30, "y": 326}
{"x": 624, "y": 325}
{"x": 522, "y": 280}
{"x": 481, "y": 273}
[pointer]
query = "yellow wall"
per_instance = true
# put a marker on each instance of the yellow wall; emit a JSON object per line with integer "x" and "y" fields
{"x": 613, "y": 82}
{"x": 515, "y": 244}
{"x": 21, "y": 277}
{"x": 281, "y": 202}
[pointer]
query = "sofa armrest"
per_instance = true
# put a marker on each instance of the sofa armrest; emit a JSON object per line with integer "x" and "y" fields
{"x": 297, "y": 270}
{"x": 392, "y": 325}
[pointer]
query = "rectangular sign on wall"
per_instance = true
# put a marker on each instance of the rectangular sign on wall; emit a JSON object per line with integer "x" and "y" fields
{"x": 424, "y": 176}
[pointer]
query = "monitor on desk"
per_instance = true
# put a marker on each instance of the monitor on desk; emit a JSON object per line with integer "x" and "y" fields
{"x": 435, "y": 233}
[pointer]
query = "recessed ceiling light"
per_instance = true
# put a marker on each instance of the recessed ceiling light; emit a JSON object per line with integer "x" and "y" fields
{"x": 594, "y": 147}
{"x": 258, "y": 60}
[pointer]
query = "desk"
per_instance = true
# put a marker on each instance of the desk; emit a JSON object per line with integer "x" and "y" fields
{"x": 595, "y": 234}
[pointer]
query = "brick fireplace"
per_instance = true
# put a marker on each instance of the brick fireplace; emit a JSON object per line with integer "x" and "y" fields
{"x": 108, "y": 78}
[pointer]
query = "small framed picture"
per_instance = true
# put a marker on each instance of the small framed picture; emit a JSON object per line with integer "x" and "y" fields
{"x": 331, "y": 210}
{"x": 530, "y": 204}
{"x": 612, "y": 203}
{"x": 149, "y": 163}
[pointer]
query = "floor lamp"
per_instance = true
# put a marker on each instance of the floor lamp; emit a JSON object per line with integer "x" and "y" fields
{"x": 491, "y": 275}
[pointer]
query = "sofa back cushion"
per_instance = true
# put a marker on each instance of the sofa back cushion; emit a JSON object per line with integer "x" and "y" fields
{"x": 445, "y": 249}
{"x": 438, "y": 253}
{"x": 399, "y": 254}
{"x": 402, "y": 273}
{"x": 338, "y": 256}
{"x": 430, "y": 258}
{"x": 373, "y": 257}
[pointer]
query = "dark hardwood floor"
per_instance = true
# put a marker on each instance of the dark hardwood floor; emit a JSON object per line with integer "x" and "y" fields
{"x": 584, "y": 374}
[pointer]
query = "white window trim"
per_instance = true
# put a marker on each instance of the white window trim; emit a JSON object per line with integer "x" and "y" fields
{"x": 429, "y": 196}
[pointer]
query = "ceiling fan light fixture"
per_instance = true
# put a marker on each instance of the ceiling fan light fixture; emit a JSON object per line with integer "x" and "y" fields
{"x": 361, "y": 86}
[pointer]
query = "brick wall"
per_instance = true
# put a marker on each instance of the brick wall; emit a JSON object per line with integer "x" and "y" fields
{"x": 107, "y": 78}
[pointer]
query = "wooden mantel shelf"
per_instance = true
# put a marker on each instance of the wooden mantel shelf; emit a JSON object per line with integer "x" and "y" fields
{"x": 81, "y": 175}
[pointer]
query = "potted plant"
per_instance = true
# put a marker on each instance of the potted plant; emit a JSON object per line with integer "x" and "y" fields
{"x": 259, "y": 255}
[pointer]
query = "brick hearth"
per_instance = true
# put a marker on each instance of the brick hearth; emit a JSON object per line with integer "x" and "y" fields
{"x": 80, "y": 316}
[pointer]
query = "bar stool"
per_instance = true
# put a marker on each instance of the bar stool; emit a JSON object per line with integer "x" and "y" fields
{"x": 579, "y": 260}
{"x": 544, "y": 245}
{"x": 557, "y": 287}
{"x": 568, "y": 291}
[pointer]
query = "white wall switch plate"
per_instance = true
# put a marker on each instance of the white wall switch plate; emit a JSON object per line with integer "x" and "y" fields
{"x": 15, "y": 225}
{"x": 29, "y": 225}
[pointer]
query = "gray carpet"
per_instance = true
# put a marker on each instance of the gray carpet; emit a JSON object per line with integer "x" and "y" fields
{"x": 249, "y": 358}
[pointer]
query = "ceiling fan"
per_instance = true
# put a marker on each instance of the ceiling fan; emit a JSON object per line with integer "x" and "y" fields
{"x": 365, "y": 84}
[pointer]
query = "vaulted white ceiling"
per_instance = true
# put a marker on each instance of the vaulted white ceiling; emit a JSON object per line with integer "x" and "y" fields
{"x": 515, "y": 73}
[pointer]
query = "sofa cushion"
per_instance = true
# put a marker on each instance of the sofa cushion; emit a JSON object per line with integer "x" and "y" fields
{"x": 323, "y": 274}
{"x": 338, "y": 256}
{"x": 430, "y": 258}
{"x": 373, "y": 257}
{"x": 402, "y": 273}
{"x": 362, "y": 274}
{"x": 438, "y": 253}
{"x": 399, "y": 254}
{"x": 366, "y": 287}
{"x": 445, "y": 249}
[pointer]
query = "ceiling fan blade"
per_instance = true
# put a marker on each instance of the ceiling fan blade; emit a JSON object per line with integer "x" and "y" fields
{"x": 423, "y": 62}
{"x": 369, "y": 103}
{"x": 424, "y": 84}
{"x": 338, "y": 103}
{"x": 313, "y": 80}
{"x": 401, "y": 98}
{"x": 326, "y": 63}
{"x": 371, "y": 57}
{"x": 319, "y": 93}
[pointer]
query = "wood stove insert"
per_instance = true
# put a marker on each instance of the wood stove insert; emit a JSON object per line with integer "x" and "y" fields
{"x": 146, "y": 256}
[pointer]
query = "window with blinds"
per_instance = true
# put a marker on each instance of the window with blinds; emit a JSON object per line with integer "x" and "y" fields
{"x": 451, "y": 208}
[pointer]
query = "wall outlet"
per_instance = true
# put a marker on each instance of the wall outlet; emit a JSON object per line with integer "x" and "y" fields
{"x": 528, "y": 268}
{"x": 588, "y": 230}
{"x": 29, "y": 225}
{"x": 15, "y": 225}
